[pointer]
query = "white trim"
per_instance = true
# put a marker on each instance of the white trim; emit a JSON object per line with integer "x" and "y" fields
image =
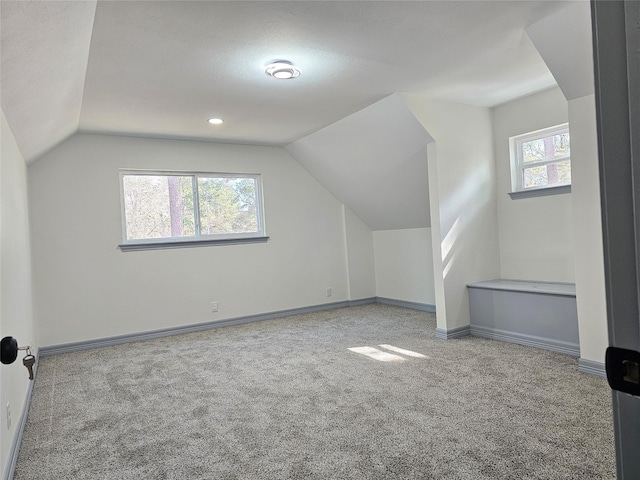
{"x": 345, "y": 242}
{"x": 196, "y": 205}
{"x": 540, "y": 192}
{"x": 518, "y": 165}
{"x": 562, "y": 289}
{"x": 133, "y": 247}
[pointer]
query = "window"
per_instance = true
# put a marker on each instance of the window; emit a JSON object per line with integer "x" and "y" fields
{"x": 172, "y": 209}
{"x": 541, "y": 159}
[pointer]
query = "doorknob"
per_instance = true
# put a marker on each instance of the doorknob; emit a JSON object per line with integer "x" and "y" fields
{"x": 9, "y": 350}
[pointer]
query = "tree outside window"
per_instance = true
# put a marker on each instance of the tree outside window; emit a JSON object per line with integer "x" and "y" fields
{"x": 542, "y": 158}
{"x": 179, "y": 206}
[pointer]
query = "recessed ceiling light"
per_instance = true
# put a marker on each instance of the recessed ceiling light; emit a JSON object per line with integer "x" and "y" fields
{"x": 282, "y": 70}
{"x": 216, "y": 121}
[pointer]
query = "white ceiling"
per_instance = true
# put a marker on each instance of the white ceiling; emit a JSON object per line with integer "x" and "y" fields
{"x": 44, "y": 50}
{"x": 163, "y": 68}
{"x": 572, "y": 64}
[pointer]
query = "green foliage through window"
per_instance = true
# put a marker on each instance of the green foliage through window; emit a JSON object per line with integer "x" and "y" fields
{"x": 160, "y": 206}
{"x": 542, "y": 158}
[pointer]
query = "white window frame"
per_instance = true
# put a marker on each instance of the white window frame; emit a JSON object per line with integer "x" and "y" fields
{"x": 518, "y": 165}
{"x": 198, "y": 239}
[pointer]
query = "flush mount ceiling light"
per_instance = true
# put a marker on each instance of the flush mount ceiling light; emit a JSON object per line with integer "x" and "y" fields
{"x": 215, "y": 121}
{"x": 282, "y": 70}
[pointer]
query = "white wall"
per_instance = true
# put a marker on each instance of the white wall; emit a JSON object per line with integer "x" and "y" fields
{"x": 436, "y": 235}
{"x": 536, "y": 234}
{"x": 373, "y": 161}
{"x": 587, "y": 224}
{"x": 558, "y": 237}
{"x": 569, "y": 56}
{"x": 86, "y": 288}
{"x": 360, "y": 261}
{"x": 404, "y": 265}
{"x": 462, "y": 184}
{"x": 16, "y": 318}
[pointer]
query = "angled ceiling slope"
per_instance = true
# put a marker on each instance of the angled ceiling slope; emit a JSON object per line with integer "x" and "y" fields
{"x": 45, "y": 50}
{"x": 564, "y": 42}
{"x": 161, "y": 68}
{"x": 374, "y": 161}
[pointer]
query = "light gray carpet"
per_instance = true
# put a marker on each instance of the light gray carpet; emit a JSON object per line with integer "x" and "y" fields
{"x": 287, "y": 399}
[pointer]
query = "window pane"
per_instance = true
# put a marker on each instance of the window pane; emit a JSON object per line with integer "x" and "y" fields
{"x": 546, "y": 148}
{"x": 561, "y": 145}
{"x": 227, "y": 205}
{"x": 533, "y": 151}
{"x": 564, "y": 171}
{"x": 549, "y": 174}
{"x": 158, "y": 206}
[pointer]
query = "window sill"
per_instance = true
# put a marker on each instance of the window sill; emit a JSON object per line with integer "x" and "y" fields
{"x": 132, "y": 247}
{"x": 540, "y": 192}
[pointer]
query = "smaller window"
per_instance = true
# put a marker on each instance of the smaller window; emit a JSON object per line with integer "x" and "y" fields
{"x": 541, "y": 159}
{"x": 183, "y": 209}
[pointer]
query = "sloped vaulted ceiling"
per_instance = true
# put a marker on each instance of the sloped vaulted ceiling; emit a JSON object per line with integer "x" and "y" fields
{"x": 44, "y": 49}
{"x": 162, "y": 68}
{"x": 572, "y": 65}
{"x": 375, "y": 161}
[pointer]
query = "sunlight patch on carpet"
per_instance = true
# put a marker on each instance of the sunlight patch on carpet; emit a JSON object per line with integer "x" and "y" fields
{"x": 377, "y": 354}
{"x": 408, "y": 353}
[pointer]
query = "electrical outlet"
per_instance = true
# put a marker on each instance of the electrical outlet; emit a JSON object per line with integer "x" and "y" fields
{"x": 214, "y": 307}
{"x": 8, "y": 415}
{"x": 329, "y": 292}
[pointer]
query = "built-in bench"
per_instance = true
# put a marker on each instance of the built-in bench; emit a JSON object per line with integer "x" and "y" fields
{"x": 538, "y": 314}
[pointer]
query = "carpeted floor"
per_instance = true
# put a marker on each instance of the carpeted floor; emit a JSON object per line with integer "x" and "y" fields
{"x": 287, "y": 399}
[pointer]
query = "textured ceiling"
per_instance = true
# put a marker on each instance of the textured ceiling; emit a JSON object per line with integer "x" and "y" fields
{"x": 162, "y": 68}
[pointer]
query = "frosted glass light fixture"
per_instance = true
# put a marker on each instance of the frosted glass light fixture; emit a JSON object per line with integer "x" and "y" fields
{"x": 215, "y": 121}
{"x": 282, "y": 70}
